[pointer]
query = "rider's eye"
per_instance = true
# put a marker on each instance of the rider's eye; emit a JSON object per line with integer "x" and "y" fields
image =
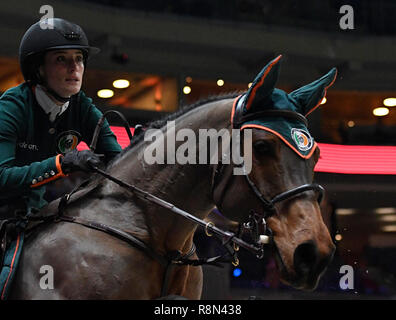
{"x": 60, "y": 58}
{"x": 262, "y": 147}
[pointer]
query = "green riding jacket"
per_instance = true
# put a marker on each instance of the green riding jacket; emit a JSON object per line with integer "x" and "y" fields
{"x": 30, "y": 145}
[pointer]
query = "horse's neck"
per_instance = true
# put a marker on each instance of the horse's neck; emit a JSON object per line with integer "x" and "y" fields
{"x": 186, "y": 186}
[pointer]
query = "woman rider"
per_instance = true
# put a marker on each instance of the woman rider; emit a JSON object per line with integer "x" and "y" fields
{"x": 43, "y": 119}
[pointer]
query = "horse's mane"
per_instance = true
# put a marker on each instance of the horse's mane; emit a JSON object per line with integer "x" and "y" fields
{"x": 157, "y": 124}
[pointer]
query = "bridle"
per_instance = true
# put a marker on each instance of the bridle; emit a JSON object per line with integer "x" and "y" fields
{"x": 257, "y": 226}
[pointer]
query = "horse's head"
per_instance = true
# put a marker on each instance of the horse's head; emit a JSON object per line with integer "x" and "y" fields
{"x": 283, "y": 159}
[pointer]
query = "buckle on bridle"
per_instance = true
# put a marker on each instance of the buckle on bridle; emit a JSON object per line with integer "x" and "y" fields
{"x": 257, "y": 229}
{"x": 256, "y": 226}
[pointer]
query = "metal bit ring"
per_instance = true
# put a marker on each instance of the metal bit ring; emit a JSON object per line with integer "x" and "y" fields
{"x": 209, "y": 224}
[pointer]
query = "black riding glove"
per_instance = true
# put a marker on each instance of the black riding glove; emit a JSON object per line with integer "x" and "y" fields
{"x": 79, "y": 161}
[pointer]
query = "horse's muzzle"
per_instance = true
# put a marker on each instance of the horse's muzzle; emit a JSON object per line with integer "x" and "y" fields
{"x": 309, "y": 264}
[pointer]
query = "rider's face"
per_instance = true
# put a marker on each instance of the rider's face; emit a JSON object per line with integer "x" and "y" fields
{"x": 63, "y": 71}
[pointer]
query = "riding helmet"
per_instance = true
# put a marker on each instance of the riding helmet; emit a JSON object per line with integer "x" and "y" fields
{"x": 50, "y": 34}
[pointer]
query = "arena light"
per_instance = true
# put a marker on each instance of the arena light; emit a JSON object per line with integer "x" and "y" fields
{"x": 390, "y": 102}
{"x": 237, "y": 272}
{"x": 351, "y": 123}
{"x": 121, "y": 83}
{"x": 187, "y": 90}
{"x": 385, "y": 210}
{"x": 388, "y": 218}
{"x": 338, "y": 237}
{"x": 380, "y": 111}
{"x": 345, "y": 211}
{"x": 391, "y": 228}
{"x": 220, "y": 82}
{"x": 105, "y": 93}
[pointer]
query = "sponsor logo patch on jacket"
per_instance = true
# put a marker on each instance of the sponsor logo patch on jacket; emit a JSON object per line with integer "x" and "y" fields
{"x": 28, "y": 146}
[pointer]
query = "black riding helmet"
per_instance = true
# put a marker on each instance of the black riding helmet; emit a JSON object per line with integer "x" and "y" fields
{"x": 47, "y": 35}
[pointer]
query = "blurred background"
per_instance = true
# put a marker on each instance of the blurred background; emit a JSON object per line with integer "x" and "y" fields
{"x": 170, "y": 53}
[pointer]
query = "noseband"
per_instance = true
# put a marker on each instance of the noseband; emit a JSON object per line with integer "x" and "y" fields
{"x": 269, "y": 205}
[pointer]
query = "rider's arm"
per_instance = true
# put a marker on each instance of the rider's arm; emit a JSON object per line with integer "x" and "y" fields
{"x": 12, "y": 122}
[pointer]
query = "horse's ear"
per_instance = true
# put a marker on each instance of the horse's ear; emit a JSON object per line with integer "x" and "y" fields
{"x": 263, "y": 85}
{"x": 310, "y": 96}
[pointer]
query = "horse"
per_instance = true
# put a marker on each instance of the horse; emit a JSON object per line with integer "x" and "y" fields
{"x": 88, "y": 263}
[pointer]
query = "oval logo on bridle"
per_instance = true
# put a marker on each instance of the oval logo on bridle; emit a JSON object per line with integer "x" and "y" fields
{"x": 302, "y": 139}
{"x": 67, "y": 141}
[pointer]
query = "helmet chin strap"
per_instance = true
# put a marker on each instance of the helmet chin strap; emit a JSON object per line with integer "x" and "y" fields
{"x": 55, "y": 95}
{"x": 41, "y": 80}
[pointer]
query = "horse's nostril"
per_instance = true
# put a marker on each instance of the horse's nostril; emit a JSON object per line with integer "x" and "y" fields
{"x": 305, "y": 257}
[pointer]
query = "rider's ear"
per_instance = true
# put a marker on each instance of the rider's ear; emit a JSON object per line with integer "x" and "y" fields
{"x": 309, "y": 97}
{"x": 41, "y": 71}
{"x": 262, "y": 87}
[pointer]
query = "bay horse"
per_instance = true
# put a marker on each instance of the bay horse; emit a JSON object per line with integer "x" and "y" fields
{"x": 91, "y": 264}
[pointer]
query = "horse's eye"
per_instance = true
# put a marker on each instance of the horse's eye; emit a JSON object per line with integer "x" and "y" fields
{"x": 262, "y": 147}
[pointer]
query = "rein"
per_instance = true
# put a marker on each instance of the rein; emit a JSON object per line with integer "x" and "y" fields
{"x": 210, "y": 228}
{"x": 172, "y": 258}
{"x": 168, "y": 261}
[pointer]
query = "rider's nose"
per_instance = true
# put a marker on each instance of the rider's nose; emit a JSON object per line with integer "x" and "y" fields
{"x": 73, "y": 64}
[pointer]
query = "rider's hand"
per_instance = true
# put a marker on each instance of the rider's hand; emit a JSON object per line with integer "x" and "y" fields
{"x": 79, "y": 161}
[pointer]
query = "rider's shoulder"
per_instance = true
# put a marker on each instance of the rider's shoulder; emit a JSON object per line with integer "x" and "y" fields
{"x": 86, "y": 103}
{"x": 84, "y": 99}
{"x": 16, "y": 97}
